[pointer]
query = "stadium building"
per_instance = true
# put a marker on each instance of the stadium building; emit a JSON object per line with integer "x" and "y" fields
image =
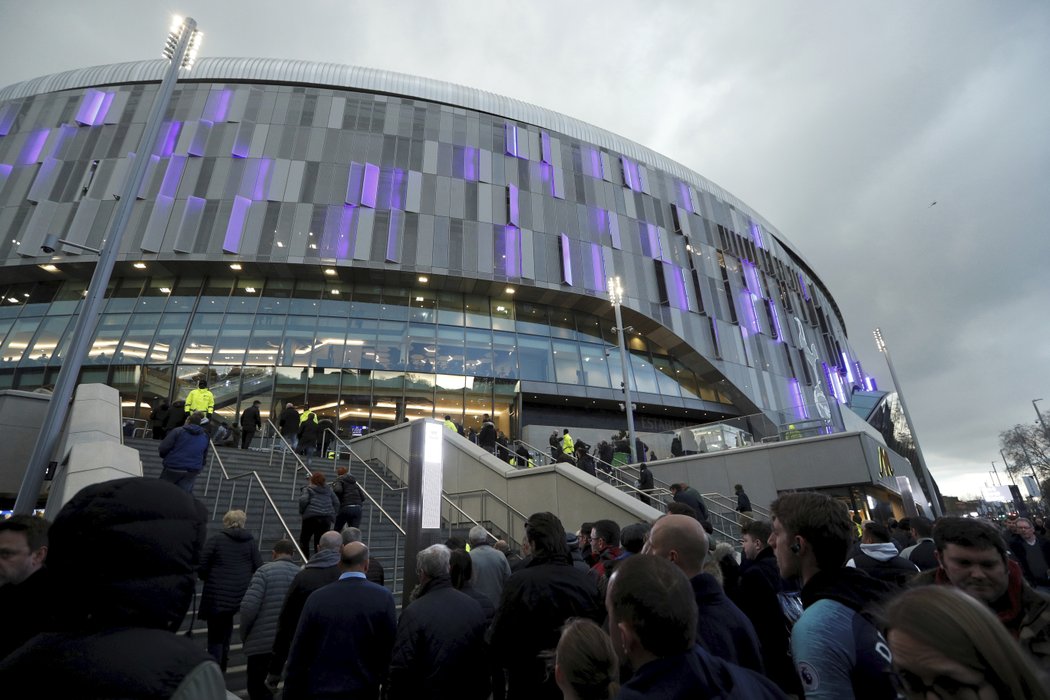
{"x": 387, "y": 247}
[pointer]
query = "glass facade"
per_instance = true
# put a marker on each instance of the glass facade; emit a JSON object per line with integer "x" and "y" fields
{"x": 385, "y": 256}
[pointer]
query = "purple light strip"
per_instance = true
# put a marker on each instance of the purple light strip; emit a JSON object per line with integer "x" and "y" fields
{"x": 756, "y": 235}
{"x": 370, "y": 185}
{"x": 684, "y": 198}
{"x": 847, "y": 367}
{"x": 627, "y": 175}
{"x": 545, "y": 147}
{"x": 870, "y": 381}
{"x": 512, "y": 205}
{"x": 511, "y": 251}
{"x": 169, "y": 137}
{"x": 776, "y": 320}
{"x": 262, "y": 179}
{"x": 393, "y": 240}
{"x": 751, "y": 277}
{"x": 547, "y": 175}
{"x": 566, "y": 260}
{"x": 802, "y": 284}
{"x": 34, "y": 144}
{"x": 801, "y": 412}
{"x": 827, "y": 378}
{"x": 397, "y": 182}
{"x": 89, "y": 107}
{"x": 242, "y": 142}
{"x": 859, "y": 372}
{"x": 752, "y": 314}
{"x": 470, "y": 170}
{"x": 596, "y": 164}
{"x": 235, "y": 229}
{"x": 598, "y": 267}
{"x": 170, "y": 184}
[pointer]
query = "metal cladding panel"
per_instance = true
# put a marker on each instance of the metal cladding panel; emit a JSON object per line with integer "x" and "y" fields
{"x": 371, "y": 79}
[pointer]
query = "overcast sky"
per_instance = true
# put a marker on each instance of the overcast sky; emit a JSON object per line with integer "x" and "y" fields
{"x": 839, "y": 123}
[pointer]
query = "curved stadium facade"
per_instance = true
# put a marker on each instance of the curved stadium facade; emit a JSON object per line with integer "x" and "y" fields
{"x": 389, "y": 247}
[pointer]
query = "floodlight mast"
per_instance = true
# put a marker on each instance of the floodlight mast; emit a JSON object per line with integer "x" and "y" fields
{"x": 934, "y": 501}
{"x": 616, "y": 297}
{"x": 181, "y": 49}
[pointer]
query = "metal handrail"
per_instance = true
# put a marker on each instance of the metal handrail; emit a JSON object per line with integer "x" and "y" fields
{"x": 269, "y": 499}
{"x": 362, "y": 461}
{"x": 489, "y": 494}
{"x": 728, "y": 502}
{"x": 448, "y": 500}
{"x": 543, "y": 452}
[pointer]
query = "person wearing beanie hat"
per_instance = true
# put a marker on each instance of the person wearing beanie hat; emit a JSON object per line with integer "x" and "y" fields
{"x": 123, "y": 555}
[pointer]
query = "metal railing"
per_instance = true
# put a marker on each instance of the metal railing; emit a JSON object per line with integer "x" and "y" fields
{"x": 730, "y": 503}
{"x": 252, "y": 478}
{"x": 514, "y": 532}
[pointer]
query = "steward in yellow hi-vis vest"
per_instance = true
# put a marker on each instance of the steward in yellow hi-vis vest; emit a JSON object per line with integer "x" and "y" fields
{"x": 201, "y": 399}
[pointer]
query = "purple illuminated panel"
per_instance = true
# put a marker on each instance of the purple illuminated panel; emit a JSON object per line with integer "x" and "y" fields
{"x": 5, "y": 172}
{"x": 369, "y": 185}
{"x": 684, "y": 200}
{"x": 512, "y": 205}
{"x": 859, "y": 372}
{"x": 93, "y": 107}
{"x": 34, "y": 144}
{"x": 397, "y": 187}
{"x": 169, "y": 186}
{"x": 776, "y": 321}
{"x": 756, "y": 236}
{"x": 545, "y": 147}
{"x": 629, "y": 177}
{"x": 511, "y": 251}
{"x": 510, "y": 137}
{"x": 748, "y": 305}
{"x": 566, "y": 259}
{"x": 168, "y": 138}
{"x": 218, "y": 105}
{"x": 805, "y": 289}
{"x": 801, "y": 412}
{"x": 470, "y": 164}
{"x": 596, "y": 164}
{"x": 827, "y": 379}
{"x": 235, "y": 229}
{"x": 393, "y": 238}
{"x": 869, "y": 382}
{"x": 650, "y": 239}
{"x": 848, "y": 367}
{"x": 262, "y": 179}
{"x": 337, "y": 239}
{"x": 674, "y": 280}
{"x": 598, "y": 268}
{"x": 751, "y": 277}
{"x": 7, "y": 117}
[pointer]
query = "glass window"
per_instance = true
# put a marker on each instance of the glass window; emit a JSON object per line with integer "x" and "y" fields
{"x": 233, "y": 339}
{"x": 141, "y": 330}
{"x": 478, "y": 353}
{"x": 17, "y": 341}
{"x": 450, "y": 350}
{"x": 505, "y": 354}
{"x": 505, "y": 400}
{"x": 686, "y": 380}
{"x": 290, "y": 387}
{"x": 534, "y": 356}
{"x": 532, "y": 318}
{"x": 595, "y": 365}
{"x": 126, "y": 380}
{"x": 477, "y": 402}
{"x": 389, "y": 353}
{"x": 266, "y": 339}
{"x": 110, "y": 330}
{"x": 448, "y": 396}
{"x": 644, "y": 374}
{"x": 388, "y": 399}
{"x": 501, "y": 314}
{"x": 122, "y": 295}
{"x": 329, "y": 347}
{"x": 275, "y": 298}
{"x": 155, "y": 294}
{"x": 167, "y": 341}
{"x": 245, "y": 297}
{"x": 298, "y": 343}
{"x": 324, "y": 398}
{"x": 476, "y": 311}
{"x": 419, "y": 394}
{"x": 68, "y": 297}
{"x": 184, "y": 295}
{"x": 567, "y": 362}
{"x": 307, "y": 298}
{"x": 450, "y": 309}
{"x": 200, "y": 340}
{"x": 156, "y": 383}
{"x": 45, "y": 344}
{"x": 666, "y": 377}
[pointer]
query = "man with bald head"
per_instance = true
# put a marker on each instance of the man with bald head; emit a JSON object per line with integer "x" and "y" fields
{"x": 721, "y": 628}
{"x": 345, "y": 637}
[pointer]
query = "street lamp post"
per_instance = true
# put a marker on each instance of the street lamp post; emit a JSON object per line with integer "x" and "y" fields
{"x": 181, "y": 50}
{"x": 616, "y": 297}
{"x": 1046, "y": 433}
{"x": 881, "y": 345}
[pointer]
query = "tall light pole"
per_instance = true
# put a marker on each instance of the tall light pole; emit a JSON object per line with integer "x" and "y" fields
{"x": 881, "y": 345}
{"x": 1046, "y": 433}
{"x": 181, "y": 50}
{"x": 616, "y": 297}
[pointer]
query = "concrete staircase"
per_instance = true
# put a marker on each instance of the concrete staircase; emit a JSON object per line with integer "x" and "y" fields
{"x": 283, "y": 484}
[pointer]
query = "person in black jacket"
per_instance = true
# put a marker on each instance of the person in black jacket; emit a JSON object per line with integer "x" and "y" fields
{"x": 318, "y": 505}
{"x": 158, "y": 419}
{"x": 123, "y": 554}
{"x": 176, "y": 416}
{"x": 652, "y": 622}
{"x": 288, "y": 424}
{"x": 684, "y": 493}
{"x": 351, "y": 499}
{"x": 229, "y": 560}
{"x": 322, "y": 569}
{"x": 251, "y": 422}
{"x": 878, "y": 557}
{"x": 309, "y": 433}
{"x": 487, "y": 434}
{"x": 440, "y": 641}
{"x": 645, "y": 483}
{"x": 537, "y": 601}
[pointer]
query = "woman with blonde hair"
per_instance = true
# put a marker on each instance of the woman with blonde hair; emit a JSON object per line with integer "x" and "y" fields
{"x": 946, "y": 643}
{"x": 585, "y": 663}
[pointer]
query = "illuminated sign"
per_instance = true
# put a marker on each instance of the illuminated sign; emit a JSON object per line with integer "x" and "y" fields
{"x": 433, "y": 469}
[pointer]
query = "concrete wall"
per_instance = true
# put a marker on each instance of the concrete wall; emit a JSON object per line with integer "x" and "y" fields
{"x": 766, "y": 470}
{"x": 21, "y": 413}
{"x": 564, "y": 490}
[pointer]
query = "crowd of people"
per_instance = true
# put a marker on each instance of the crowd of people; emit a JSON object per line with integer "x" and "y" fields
{"x": 952, "y": 608}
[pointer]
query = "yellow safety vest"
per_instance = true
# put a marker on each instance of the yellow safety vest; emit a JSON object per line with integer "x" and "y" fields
{"x": 200, "y": 400}
{"x": 307, "y": 415}
{"x": 566, "y": 444}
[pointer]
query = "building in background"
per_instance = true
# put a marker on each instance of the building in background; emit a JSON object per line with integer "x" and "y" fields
{"x": 387, "y": 247}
